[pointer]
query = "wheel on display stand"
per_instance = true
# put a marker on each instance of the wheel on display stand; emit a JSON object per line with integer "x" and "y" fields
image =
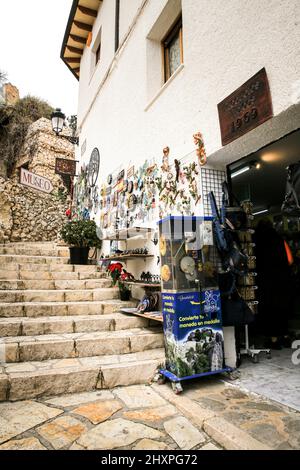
{"x": 160, "y": 379}
{"x": 255, "y": 358}
{"x": 177, "y": 388}
{"x": 233, "y": 375}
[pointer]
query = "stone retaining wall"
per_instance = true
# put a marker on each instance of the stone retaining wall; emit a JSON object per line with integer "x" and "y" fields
{"x": 27, "y": 214}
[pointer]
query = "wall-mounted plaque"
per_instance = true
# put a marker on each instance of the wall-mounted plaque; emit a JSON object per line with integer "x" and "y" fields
{"x": 27, "y": 178}
{"x": 246, "y": 108}
{"x": 65, "y": 167}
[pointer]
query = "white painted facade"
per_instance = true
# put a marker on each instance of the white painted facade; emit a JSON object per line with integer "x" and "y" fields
{"x": 125, "y": 110}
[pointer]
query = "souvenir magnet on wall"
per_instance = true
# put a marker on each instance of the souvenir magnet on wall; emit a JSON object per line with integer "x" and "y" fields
{"x": 140, "y": 184}
{"x": 125, "y": 187}
{"x": 130, "y": 172}
{"x": 177, "y": 168}
{"x": 200, "y": 151}
{"x": 115, "y": 199}
{"x": 132, "y": 202}
{"x": 130, "y": 187}
{"x": 121, "y": 175}
{"x": 105, "y": 221}
{"x": 165, "y": 162}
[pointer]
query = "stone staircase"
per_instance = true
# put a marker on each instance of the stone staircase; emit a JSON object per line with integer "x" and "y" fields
{"x": 60, "y": 327}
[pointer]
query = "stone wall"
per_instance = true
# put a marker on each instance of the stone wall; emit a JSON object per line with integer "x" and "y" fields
{"x": 10, "y": 93}
{"x": 27, "y": 214}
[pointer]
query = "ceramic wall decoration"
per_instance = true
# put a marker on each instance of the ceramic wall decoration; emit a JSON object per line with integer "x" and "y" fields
{"x": 165, "y": 163}
{"x": 130, "y": 187}
{"x": 200, "y": 151}
{"x": 141, "y": 195}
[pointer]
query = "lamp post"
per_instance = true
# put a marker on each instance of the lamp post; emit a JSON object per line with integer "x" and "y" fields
{"x": 58, "y": 119}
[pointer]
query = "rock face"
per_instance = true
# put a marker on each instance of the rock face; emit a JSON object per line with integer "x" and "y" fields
{"x": 27, "y": 214}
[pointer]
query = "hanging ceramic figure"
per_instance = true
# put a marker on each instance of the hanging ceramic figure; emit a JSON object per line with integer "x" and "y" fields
{"x": 165, "y": 163}
{"x": 177, "y": 169}
{"x": 200, "y": 151}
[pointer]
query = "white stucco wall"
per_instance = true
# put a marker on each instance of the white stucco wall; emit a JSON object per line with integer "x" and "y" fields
{"x": 225, "y": 43}
{"x": 126, "y": 112}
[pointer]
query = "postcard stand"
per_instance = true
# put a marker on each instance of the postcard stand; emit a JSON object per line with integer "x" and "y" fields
{"x": 191, "y": 304}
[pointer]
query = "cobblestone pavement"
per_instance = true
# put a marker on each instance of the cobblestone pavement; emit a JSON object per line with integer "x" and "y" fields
{"x": 209, "y": 415}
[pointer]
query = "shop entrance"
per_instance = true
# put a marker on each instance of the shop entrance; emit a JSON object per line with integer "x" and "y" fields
{"x": 261, "y": 178}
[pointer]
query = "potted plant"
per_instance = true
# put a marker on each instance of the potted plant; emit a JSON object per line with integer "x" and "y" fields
{"x": 119, "y": 275}
{"x": 80, "y": 235}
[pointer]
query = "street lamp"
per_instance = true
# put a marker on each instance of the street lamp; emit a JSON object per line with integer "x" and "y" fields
{"x": 58, "y": 120}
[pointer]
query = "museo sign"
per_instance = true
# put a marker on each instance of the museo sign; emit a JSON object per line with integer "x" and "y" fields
{"x": 35, "y": 181}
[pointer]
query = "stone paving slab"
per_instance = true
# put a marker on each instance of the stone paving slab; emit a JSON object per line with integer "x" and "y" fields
{"x": 30, "y": 443}
{"x": 62, "y": 432}
{"x": 151, "y": 418}
{"x": 16, "y": 418}
{"x": 184, "y": 433}
{"x": 139, "y": 396}
{"x": 80, "y": 398}
{"x": 115, "y": 434}
{"x": 97, "y": 412}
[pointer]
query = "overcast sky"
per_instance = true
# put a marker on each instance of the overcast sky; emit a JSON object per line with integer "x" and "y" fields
{"x": 31, "y": 34}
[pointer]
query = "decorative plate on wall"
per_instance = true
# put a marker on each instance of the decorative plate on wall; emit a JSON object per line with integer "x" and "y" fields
{"x": 93, "y": 167}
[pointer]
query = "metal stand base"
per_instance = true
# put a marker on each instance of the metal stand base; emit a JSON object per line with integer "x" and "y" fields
{"x": 164, "y": 374}
{"x": 251, "y": 351}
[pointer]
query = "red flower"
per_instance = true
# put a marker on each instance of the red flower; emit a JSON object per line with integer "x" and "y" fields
{"x": 115, "y": 267}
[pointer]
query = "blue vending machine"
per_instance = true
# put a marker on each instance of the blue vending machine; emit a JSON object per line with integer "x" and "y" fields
{"x": 191, "y": 303}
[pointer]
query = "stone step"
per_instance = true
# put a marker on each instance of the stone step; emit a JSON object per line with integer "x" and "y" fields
{"x": 33, "y": 259}
{"x": 8, "y": 296}
{"x": 50, "y": 275}
{"x": 54, "y": 285}
{"x": 35, "y": 251}
{"x": 20, "y": 326}
{"x": 52, "y": 309}
{"x": 17, "y": 267}
{"x": 59, "y": 377}
{"x": 73, "y": 345}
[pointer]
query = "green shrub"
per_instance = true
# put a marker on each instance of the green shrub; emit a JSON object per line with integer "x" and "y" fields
{"x": 81, "y": 233}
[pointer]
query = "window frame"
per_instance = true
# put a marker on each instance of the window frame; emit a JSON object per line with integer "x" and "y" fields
{"x": 175, "y": 30}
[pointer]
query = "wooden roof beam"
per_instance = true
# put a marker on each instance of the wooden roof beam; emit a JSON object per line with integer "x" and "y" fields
{"x": 83, "y": 26}
{"x": 73, "y": 60}
{"x": 88, "y": 11}
{"x": 77, "y": 70}
{"x": 75, "y": 50}
{"x": 78, "y": 39}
